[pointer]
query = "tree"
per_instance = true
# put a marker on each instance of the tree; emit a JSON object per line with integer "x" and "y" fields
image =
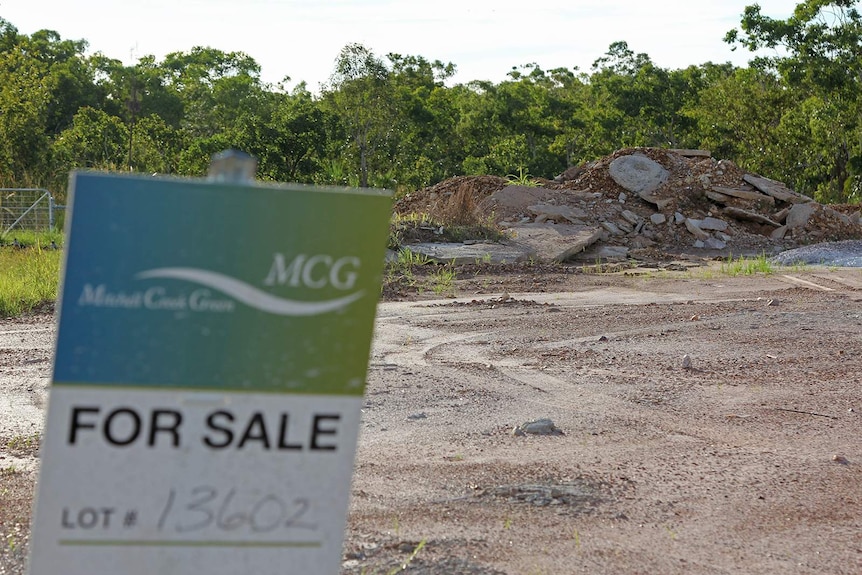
{"x": 44, "y": 80}
{"x": 821, "y": 59}
{"x": 290, "y": 139}
{"x": 359, "y": 94}
{"x": 94, "y": 140}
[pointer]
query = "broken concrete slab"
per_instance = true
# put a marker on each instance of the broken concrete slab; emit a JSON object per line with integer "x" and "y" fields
{"x": 781, "y": 215}
{"x": 555, "y": 242}
{"x": 631, "y": 217}
{"x": 637, "y": 173}
{"x": 459, "y": 253}
{"x": 717, "y": 197}
{"x": 799, "y": 215}
{"x": 558, "y": 213}
{"x": 739, "y": 214}
{"x": 581, "y": 195}
{"x": 660, "y": 203}
{"x": 691, "y": 153}
{"x": 710, "y": 223}
{"x": 714, "y": 244}
{"x": 517, "y": 198}
{"x": 776, "y": 189}
{"x": 602, "y": 253}
{"x": 744, "y": 195}
{"x": 695, "y": 230}
{"x": 612, "y": 228}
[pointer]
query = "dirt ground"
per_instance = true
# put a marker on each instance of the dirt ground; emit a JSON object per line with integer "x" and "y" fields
{"x": 746, "y": 457}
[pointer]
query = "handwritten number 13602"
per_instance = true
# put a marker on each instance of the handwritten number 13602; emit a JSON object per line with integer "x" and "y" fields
{"x": 207, "y": 507}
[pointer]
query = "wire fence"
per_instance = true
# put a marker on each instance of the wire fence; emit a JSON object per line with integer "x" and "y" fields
{"x": 26, "y": 209}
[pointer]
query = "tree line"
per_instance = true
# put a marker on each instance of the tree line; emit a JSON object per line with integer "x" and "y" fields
{"x": 393, "y": 122}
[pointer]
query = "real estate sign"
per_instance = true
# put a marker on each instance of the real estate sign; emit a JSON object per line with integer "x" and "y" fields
{"x": 211, "y": 357}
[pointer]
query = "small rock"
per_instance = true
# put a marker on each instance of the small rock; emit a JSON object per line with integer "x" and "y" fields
{"x": 686, "y": 362}
{"x": 778, "y": 233}
{"x": 715, "y": 244}
{"x": 695, "y": 230}
{"x": 658, "y": 219}
{"x": 840, "y": 459}
{"x": 622, "y": 197}
{"x": 716, "y": 224}
{"x": 678, "y": 218}
{"x": 612, "y": 228}
{"x": 625, "y": 226}
{"x": 699, "y": 244}
{"x": 415, "y": 416}
{"x": 630, "y": 217}
{"x": 537, "y": 427}
{"x": 772, "y": 302}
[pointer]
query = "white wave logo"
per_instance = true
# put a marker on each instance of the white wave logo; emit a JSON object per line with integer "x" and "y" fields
{"x": 250, "y": 295}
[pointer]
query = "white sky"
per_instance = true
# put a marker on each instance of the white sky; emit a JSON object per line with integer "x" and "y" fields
{"x": 483, "y": 38}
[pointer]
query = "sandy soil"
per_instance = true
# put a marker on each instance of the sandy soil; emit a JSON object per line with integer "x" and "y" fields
{"x": 749, "y": 460}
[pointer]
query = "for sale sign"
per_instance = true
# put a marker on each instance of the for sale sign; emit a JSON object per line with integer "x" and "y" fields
{"x": 211, "y": 356}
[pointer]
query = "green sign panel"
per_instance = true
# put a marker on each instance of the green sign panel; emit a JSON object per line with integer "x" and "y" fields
{"x": 197, "y": 285}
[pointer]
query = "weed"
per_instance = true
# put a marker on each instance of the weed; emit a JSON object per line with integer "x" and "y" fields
{"x": 9, "y": 470}
{"x": 23, "y": 443}
{"x": 409, "y": 560}
{"x": 408, "y": 258}
{"x": 443, "y": 280}
{"x": 523, "y": 178}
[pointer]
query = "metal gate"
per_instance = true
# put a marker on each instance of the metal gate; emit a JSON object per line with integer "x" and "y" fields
{"x": 26, "y": 209}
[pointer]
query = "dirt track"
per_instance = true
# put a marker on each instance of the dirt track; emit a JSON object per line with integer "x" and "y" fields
{"x": 749, "y": 461}
{"x": 726, "y": 467}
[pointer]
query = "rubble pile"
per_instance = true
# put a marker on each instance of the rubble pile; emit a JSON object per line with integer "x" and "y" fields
{"x": 640, "y": 201}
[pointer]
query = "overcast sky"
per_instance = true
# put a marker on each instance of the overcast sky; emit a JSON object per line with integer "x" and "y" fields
{"x": 483, "y": 38}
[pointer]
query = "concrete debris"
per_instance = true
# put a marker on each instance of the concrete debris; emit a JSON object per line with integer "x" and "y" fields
{"x": 799, "y": 215}
{"x": 650, "y": 202}
{"x": 710, "y": 223}
{"x": 693, "y": 227}
{"x": 554, "y": 242}
{"x": 549, "y": 212}
{"x": 637, "y": 173}
{"x": 464, "y": 253}
{"x": 537, "y": 427}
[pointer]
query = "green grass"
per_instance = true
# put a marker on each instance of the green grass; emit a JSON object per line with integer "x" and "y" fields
{"x": 28, "y": 277}
{"x": 747, "y": 266}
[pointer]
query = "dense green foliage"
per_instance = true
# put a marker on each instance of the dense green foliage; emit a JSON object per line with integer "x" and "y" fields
{"x": 394, "y": 122}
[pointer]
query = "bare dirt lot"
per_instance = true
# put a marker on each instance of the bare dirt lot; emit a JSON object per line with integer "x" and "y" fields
{"x": 707, "y": 424}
